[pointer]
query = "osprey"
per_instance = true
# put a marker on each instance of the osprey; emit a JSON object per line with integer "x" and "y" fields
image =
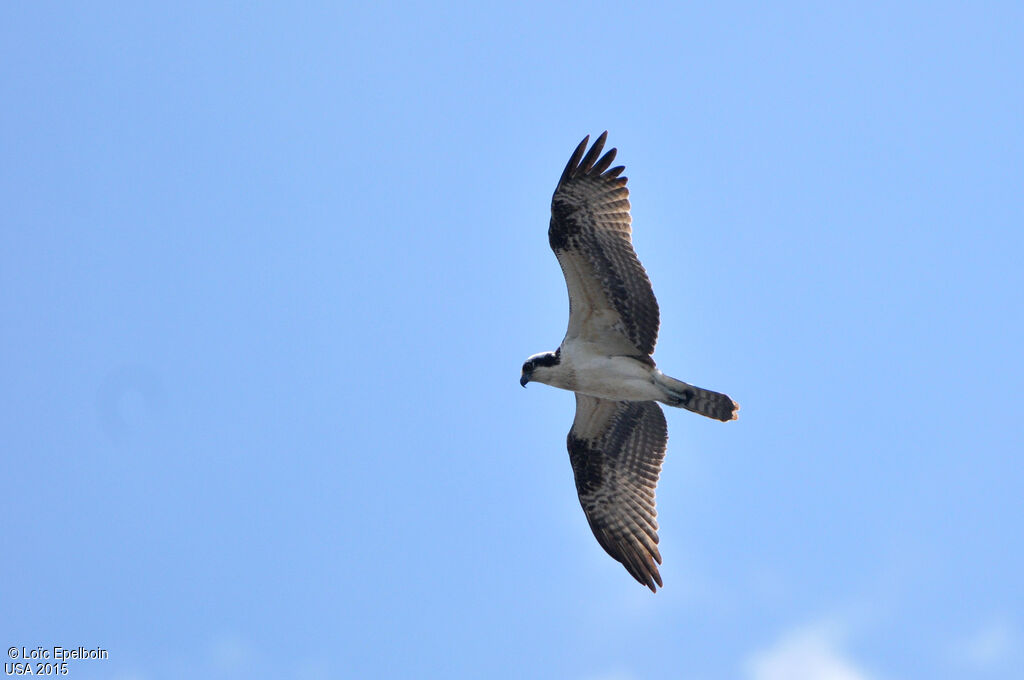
{"x": 618, "y": 438}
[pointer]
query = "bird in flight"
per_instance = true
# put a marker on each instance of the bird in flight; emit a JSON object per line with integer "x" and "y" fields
{"x": 618, "y": 438}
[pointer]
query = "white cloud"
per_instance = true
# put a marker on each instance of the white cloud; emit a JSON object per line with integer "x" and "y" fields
{"x": 988, "y": 647}
{"x": 808, "y": 653}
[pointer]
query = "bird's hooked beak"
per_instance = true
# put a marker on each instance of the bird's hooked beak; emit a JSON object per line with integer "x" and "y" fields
{"x": 524, "y": 379}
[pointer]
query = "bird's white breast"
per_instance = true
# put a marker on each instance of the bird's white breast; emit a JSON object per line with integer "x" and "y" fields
{"x": 594, "y": 372}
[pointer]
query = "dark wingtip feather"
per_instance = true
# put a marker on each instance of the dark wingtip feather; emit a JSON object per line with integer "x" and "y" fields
{"x": 605, "y": 161}
{"x": 655, "y": 579}
{"x": 589, "y": 163}
{"x": 574, "y": 160}
{"x": 595, "y": 151}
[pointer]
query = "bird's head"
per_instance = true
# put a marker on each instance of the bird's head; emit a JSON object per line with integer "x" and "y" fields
{"x": 536, "y": 367}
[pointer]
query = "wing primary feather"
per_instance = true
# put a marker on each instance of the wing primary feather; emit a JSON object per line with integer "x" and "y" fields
{"x": 595, "y": 151}
{"x": 574, "y": 160}
{"x": 643, "y": 568}
{"x": 606, "y": 160}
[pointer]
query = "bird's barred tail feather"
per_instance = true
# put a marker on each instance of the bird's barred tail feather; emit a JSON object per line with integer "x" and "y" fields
{"x": 697, "y": 399}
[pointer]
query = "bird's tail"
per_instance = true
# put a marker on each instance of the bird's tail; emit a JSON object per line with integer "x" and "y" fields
{"x": 697, "y": 399}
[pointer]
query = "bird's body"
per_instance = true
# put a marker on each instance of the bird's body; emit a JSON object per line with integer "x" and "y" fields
{"x": 585, "y": 367}
{"x": 618, "y": 438}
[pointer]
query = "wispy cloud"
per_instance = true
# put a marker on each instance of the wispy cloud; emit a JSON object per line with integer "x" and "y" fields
{"x": 991, "y": 646}
{"x": 807, "y": 653}
{"x": 232, "y": 654}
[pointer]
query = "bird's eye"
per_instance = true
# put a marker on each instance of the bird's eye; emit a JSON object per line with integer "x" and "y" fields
{"x": 527, "y": 367}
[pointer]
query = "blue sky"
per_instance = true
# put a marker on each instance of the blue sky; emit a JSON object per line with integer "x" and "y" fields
{"x": 268, "y": 273}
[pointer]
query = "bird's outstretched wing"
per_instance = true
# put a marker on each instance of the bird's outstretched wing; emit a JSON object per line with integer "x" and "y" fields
{"x": 610, "y": 296}
{"x": 616, "y": 449}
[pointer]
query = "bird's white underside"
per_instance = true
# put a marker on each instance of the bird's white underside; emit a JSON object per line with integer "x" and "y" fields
{"x": 587, "y": 367}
